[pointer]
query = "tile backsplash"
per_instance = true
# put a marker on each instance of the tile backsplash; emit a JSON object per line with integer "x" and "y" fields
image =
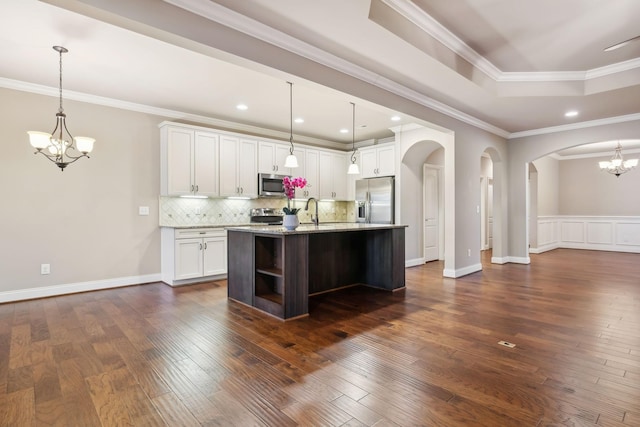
{"x": 186, "y": 212}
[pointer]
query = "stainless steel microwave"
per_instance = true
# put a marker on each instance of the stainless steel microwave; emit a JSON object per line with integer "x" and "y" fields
{"x": 270, "y": 185}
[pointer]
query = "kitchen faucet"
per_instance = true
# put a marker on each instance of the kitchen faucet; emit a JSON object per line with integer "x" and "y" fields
{"x": 315, "y": 220}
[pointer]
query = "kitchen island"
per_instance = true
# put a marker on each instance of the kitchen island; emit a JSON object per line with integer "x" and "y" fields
{"x": 276, "y": 270}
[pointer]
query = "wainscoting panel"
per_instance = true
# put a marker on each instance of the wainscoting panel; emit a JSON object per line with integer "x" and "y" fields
{"x": 600, "y": 233}
{"x": 628, "y": 233}
{"x": 572, "y": 231}
{"x": 615, "y": 233}
{"x": 547, "y": 232}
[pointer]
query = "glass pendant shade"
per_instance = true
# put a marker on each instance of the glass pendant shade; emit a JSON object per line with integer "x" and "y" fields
{"x": 353, "y": 169}
{"x": 39, "y": 140}
{"x": 84, "y": 144}
{"x": 291, "y": 161}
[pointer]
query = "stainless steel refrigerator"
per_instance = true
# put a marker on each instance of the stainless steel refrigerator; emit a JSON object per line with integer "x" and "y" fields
{"x": 374, "y": 200}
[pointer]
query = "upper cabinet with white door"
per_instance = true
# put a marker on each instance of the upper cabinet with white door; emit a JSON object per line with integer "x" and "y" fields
{"x": 189, "y": 162}
{"x": 238, "y": 167}
{"x": 311, "y": 172}
{"x": 271, "y": 158}
{"x": 378, "y": 161}
{"x": 333, "y": 175}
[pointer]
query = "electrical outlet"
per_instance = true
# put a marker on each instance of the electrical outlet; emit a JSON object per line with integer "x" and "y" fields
{"x": 45, "y": 268}
{"x": 468, "y": 252}
{"x": 143, "y": 210}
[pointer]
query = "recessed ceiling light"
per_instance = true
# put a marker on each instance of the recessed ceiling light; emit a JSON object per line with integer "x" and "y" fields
{"x": 572, "y": 113}
{"x": 344, "y": 130}
{"x": 299, "y": 120}
{"x": 242, "y": 107}
{"x": 396, "y": 118}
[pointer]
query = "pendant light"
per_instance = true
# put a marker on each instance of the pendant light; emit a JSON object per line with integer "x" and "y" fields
{"x": 353, "y": 167}
{"x": 291, "y": 161}
{"x": 61, "y": 148}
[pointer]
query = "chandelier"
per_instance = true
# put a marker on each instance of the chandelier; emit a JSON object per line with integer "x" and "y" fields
{"x": 60, "y": 146}
{"x": 618, "y": 165}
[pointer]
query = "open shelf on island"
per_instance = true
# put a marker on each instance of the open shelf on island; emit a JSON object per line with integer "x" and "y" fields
{"x": 272, "y": 271}
{"x": 269, "y": 276}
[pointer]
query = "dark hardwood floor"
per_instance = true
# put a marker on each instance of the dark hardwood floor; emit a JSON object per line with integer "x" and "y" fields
{"x": 154, "y": 355}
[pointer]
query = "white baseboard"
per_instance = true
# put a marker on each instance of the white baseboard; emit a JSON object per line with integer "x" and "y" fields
{"x": 72, "y": 288}
{"x": 176, "y": 283}
{"x": 544, "y": 248}
{"x": 499, "y": 260}
{"x": 462, "y": 271}
{"x": 519, "y": 260}
{"x": 413, "y": 262}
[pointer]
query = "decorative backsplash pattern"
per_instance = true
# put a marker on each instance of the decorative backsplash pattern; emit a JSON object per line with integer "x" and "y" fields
{"x": 187, "y": 212}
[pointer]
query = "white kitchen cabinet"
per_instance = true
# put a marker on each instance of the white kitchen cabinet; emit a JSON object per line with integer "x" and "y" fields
{"x": 311, "y": 160}
{"x": 189, "y": 162}
{"x": 377, "y": 161}
{"x": 238, "y": 167}
{"x": 332, "y": 175}
{"x": 197, "y": 253}
{"x": 271, "y": 158}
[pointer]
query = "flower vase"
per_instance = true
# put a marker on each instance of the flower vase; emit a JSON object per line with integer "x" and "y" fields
{"x": 290, "y": 222}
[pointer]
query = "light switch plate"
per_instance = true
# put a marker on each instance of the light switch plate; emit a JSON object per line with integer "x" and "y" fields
{"x": 143, "y": 210}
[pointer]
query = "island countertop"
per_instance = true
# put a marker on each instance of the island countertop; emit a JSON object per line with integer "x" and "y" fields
{"x": 312, "y": 228}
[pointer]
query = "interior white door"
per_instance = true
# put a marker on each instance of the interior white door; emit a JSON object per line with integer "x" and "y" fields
{"x": 431, "y": 213}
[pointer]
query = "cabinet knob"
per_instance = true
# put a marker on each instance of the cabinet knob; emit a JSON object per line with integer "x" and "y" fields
{"x": 192, "y": 188}
{"x": 200, "y": 246}
{"x": 197, "y": 188}
{"x": 205, "y": 245}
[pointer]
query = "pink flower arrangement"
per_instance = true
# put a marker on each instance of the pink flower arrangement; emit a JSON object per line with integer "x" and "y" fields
{"x": 290, "y": 185}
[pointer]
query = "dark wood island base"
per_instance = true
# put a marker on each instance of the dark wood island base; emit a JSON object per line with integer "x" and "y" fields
{"x": 275, "y": 270}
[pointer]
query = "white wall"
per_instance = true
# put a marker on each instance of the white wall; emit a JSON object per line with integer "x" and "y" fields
{"x": 548, "y": 189}
{"x": 83, "y": 221}
{"x": 586, "y": 190}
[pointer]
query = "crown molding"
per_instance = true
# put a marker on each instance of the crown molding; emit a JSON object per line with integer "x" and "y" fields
{"x": 166, "y": 113}
{"x": 607, "y": 154}
{"x": 574, "y": 126}
{"x": 620, "y": 67}
{"x": 253, "y": 28}
{"x": 542, "y": 76}
{"x": 426, "y": 23}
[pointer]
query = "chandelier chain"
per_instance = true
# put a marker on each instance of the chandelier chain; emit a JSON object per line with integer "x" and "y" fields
{"x": 60, "y": 110}
{"x": 291, "y": 117}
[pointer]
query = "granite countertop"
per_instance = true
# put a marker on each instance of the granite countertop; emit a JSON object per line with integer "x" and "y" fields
{"x": 312, "y": 228}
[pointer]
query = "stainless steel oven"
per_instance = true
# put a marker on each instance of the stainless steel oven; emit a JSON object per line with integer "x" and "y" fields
{"x": 270, "y": 185}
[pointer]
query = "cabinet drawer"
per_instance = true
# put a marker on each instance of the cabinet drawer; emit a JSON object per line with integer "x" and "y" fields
{"x": 190, "y": 233}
